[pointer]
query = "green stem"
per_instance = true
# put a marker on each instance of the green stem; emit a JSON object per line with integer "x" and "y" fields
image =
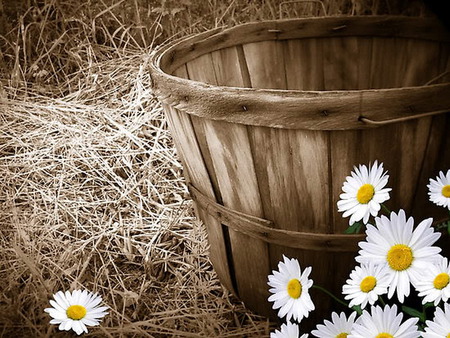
{"x": 386, "y": 210}
{"x": 330, "y": 294}
{"x": 381, "y": 301}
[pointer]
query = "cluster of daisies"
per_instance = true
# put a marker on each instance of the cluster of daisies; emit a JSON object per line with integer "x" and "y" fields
{"x": 395, "y": 255}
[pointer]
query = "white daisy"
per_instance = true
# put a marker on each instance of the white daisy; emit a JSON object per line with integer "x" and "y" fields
{"x": 339, "y": 327}
{"x": 439, "y": 190}
{"x": 288, "y": 330}
{"x": 366, "y": 283}
{"x": 434, "y": 285}
{"x": 290, "y": 288}
{"x": 384, "y": 323}
{"x": 76, "y": 310}
{"x": 364, "y": 191}
{"x": 405, "y": 251}
{"x": 439, "y": 327}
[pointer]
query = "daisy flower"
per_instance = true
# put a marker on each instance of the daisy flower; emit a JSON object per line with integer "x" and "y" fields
{"x": 288, "y": 330}
{"x": 339, "y": 327}
{"x": 440, "y": 325}
{"x": 364, "y": 191}
{"x": 434, "y": 285}
{"x": 439, "y": 190}
{"x": 290, "y": 288}
{"x": 366, "y": 283}
{"x": 406, "y": 251}
{"x": 76, "y": 310}
{"x": 384, "y": 323}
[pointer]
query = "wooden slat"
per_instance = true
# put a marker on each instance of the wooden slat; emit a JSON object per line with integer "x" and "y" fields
{"x": 420, "y": 70}
{"x": 197, "y": 174}
{"x": 236, "y": 177}
{"x": 384, "y": 64}
{"x": 227, "y": 68}
{"x": 265, "y": 62}
{"x": 437, "y": 157}
{"x": 233, "y": 168}
{"x": 421, "y": 66}
{"x": 294, "y": 193}
{"x": 340, "y": 65}
{"x": 304, "y": 64}
{"x": 364, "y": 61}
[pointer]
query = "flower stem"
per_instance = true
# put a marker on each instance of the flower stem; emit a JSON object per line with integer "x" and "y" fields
{"x": 330, "y": 294}
{"x": 386, "y": 210}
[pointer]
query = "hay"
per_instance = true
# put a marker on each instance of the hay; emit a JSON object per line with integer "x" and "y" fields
{"x": 93, "y": 197}
{"x": 91, "y": 191}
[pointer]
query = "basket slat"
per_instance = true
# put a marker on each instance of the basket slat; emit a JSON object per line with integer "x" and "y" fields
{"x": 339, "y": 66}
{"x": 239, "y": 190}
{"x": 265, "y": 60}
{"x": 364, "y": 61}
{"x": 304, "y": 64}
{"x": 195, "y": 172}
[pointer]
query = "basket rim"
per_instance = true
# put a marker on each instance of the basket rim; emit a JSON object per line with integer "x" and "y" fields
{"x": 299, "y": 109}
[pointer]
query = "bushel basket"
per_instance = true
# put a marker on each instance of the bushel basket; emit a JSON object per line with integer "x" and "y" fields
{"x": 269, "y": 118}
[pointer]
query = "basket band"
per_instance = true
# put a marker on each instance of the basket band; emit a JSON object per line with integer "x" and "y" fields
{"x": 266, "y": 230}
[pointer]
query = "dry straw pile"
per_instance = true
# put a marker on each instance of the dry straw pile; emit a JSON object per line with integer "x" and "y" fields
{"x": 91, "y": 190}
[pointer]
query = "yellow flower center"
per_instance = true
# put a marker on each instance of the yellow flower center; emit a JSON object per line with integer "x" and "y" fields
{"x": 448, "y": 336}
{"x": 294, "y": 288}
{"x": 76, "y": 312}
{"x": 446, "y": 190}
{"x": 342, "y": 335}
{"x": 384, "y": 335}
{"x": 365, "y": 193}
{"x": 368, "y": 283}
{"x": 441, "y": 281}
{"x": 400, "y": 257}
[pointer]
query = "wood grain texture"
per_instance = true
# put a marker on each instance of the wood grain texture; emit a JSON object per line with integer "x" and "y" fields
{"x": 318, "y": 110}
{"x": 196, "y": 173}
{"x": 391, "y": 26}
{"x": 340, "y": 65}
{"x": 265, "y": 63}
{"x": 233, "y": 167}
{"x": 304, "y": 64}
{"x": 292, "y": 173}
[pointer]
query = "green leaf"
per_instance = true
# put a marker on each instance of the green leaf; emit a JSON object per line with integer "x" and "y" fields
{"x": 413, "y": 312}
{"x": 358, "y": 309}
{"x": 354, "y": 228}
{"x": 427, "y": 305}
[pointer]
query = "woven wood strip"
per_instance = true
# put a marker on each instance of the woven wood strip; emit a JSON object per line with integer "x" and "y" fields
{"x": 264, "y": 229}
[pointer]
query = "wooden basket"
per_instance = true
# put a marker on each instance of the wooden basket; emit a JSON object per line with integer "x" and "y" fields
{"x": 269, "y": 118}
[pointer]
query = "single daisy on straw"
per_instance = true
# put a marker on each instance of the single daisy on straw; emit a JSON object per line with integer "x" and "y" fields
{"x": 288, "y": 330}
{"x": 76, "y": 310}
{"x": 384, "y": 323}
{"x": 439, "y": 190}
{"x": 405, "y": 250}
{"x": 290, "y": 288}
{"x": 366, "y": 283}
{"x": 434, "y": 284}
{"x": 339, "y": 327}
{"x": 440, "y": 325}
{"x": 364, "y": 191}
